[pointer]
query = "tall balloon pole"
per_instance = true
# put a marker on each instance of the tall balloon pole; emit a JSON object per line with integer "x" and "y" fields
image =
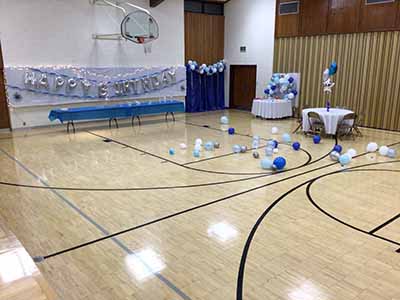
{"x": 328, "y": 83}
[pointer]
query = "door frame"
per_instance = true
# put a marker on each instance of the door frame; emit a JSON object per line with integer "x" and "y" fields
{"x": 231, "y": 67}
{"x": 3, "y": 85}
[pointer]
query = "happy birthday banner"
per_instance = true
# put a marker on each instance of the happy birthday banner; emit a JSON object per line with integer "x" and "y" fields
{"x": 28, "y": 86}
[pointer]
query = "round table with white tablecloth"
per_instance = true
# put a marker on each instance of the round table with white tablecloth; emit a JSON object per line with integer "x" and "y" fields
{"x": 272, "y": 109}
{"x": 331, "y": 118}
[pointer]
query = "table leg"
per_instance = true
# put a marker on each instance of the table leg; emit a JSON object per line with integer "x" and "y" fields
{"x": 113, "y": 119}
{"x": 133, "y": 120}
{"x": 73, "y": 126}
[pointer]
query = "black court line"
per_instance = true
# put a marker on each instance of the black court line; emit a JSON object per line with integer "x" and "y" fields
{"x": 385, "y": 224}
{"x": 243, "y": 259}
{"x": 185, "y": 211}
{"x": 308, "y": 163}
{"x": 99, "y": 227}
{"x": 192, "y": 168}
{"x": 308, "y": 192}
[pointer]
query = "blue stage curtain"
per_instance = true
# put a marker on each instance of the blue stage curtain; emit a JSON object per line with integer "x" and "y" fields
{"x": 204, "y": 92}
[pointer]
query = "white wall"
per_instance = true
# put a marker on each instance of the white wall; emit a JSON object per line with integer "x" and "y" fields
{"x": 250, "y": 23}
{"x": 59, "y": 32}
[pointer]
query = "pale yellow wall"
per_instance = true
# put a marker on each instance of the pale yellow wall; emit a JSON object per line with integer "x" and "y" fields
{"x": 368, "y": 78}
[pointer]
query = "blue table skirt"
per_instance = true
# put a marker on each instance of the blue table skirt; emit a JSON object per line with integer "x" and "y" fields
{"x": 125, "y": 110}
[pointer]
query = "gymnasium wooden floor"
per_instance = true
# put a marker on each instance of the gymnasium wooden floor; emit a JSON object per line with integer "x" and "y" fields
{"x": 109, "y": 214}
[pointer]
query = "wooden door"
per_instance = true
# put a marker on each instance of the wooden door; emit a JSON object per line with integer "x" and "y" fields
{"x": 4, "y": 113}
{"x": 242, "y": 86}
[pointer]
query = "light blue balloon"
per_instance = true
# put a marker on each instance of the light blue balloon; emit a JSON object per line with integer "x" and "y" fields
{"x": 269, "y": 151}
{"x": 209, "y": 146}
{"x": 196, "y": 153}
{"x": 192, "y": 67}
{"x": 344, "y": 159}
{"x": 392, "y": 153}
{"x": 255, "y": 144}
{"x": 236, "y": 149}
{"x": 286, "y": 138}
{"x": 224, "y": 120}
{"x": 266, "y": 164}
{"x": 271, "y": 144}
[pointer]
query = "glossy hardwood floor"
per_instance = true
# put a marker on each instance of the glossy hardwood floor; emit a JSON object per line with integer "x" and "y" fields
{"x": 109, "y": 214}
{"x": 19, "y": 277}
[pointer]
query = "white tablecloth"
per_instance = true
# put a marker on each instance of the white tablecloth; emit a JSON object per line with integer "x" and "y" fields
{"x": 331, "y": 118}
{"x": 272, "y": 109}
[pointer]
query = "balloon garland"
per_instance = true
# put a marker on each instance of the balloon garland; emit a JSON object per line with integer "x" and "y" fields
{"x": 204, "y": 69}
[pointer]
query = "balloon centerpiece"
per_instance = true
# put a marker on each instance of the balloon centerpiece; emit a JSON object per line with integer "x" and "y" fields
{"x": 328, "y": 83}
{"x": 282, "y": 86}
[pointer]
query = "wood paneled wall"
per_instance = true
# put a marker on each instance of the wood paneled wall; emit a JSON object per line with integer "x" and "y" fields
{"x": 368, "y": 78}
{"x": 204, "y": 37}
{"x": 338, "y": 16}
{"x": 4, "y": 113}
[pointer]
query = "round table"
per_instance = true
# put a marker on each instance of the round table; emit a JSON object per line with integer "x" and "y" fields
{"x": 272, "y": 109}
{"x": 331, "y": 118}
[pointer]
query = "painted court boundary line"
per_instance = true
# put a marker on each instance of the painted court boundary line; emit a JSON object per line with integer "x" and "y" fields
{"x": 90, "y": 220}
{"x": 187, "y": 211}
{"x": 309, "y": 183}
{"x": 385, "y": 224}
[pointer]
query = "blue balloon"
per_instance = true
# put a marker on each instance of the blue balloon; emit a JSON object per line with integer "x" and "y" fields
{"x": 171, "y": 151}
{"x": 333, "y": 69}
{"x": 338, "y": 148}
{"x": 266, "y": 91}
{"x": 231, "y": 131}
{"x": 316, "y": 139}
{"x": 296, "y": 146}
{"x": 344, "y": 159}
{"x": 286, "y": 138}
{"x": 295, "y": 92}
{"x": 275, "y": 143}
{"x": 266, "y": 163}
{"x": 279, "y": 163}
{"x": 273, "y": 87}
{"x": 236, "y": 148}
{"x": 196, "y": 153}
{"x": 291, "y": 79}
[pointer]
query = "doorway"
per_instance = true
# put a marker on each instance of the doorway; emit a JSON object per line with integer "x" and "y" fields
{"x": 242, "y": 86}
{"x": 4, "y": 112}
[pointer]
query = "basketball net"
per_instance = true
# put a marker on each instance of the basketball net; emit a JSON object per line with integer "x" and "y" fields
{"x": 146, "y": 46}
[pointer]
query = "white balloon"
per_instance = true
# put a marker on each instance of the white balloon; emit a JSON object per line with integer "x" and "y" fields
{"x": 291, "y": 96}
{"x": 275, "y": 150}
{"x": 198, "y": 142}
{"x": 197, "y": 147}
{"x": 383, "y": 150}
{"x": 274, "y": 130}
{"x": 352, "y": 152}
{"x": 372, "y": 147}
{"x": 183, "y": 146}
{"x": 326, "y": 75}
